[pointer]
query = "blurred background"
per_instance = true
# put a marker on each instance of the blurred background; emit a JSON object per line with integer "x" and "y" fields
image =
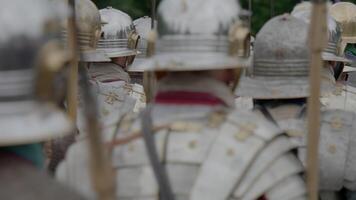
{"x": 262, "y": 9}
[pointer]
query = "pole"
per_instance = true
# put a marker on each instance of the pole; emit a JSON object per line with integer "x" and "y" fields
{"x": 272, "y": 8}
{"x": 250, "y": 16}
{"x": 72, "y": 85}
{"x": 149, "y": 77}
{"x": 318, "y": 41}
{"x": 153, "y": 14}
{"x": 102, "y": 176}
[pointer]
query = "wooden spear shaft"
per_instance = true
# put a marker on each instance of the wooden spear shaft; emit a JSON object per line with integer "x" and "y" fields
{"x": 318, "y": 40}
{"x": 102, "y": 176}
{"x": 149, "y": 77}
{"x": 72, "y": 86}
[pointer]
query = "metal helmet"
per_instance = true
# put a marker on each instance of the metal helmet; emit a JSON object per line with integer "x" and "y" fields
{"x": 345, "y": 14}
{"x": 143, "y": 27}
{"x": 331, "y": 52}
{"x": 88, "y": 22}
{"x": 281, "y": 62}
{"x": 118, "y": 37}
{"x": 26, "y": 44}
{"x": 198, "y": 35}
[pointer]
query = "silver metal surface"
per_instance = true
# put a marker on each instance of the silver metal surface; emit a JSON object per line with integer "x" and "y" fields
{"x": 116, "y": 33}
{"x": 189, "y": 40}
{"x": 281, "y": 62}
{"x": 21, "y": 50}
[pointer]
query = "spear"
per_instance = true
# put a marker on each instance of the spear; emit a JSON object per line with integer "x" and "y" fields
{"x": 72, "y": 85}
{"x": 148, "y": 77}
{"x": 250, "y": 16}
{"x": 102, "y": 175}
{"x": 318, "y": 41}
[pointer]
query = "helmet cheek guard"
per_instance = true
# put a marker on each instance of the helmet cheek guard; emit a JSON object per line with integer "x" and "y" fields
{"x": 50, "y": 63}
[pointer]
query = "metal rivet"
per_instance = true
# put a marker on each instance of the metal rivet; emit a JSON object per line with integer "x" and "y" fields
{"x": 192, "y": 144}
{"x": 105, "y": 112}
{"x": 332, "y": 149}
{"x": 241, "y": 135}
{"x": 230, "y": 152}
{"x": 336, "y": 123}
{"x": 131, "y": 147}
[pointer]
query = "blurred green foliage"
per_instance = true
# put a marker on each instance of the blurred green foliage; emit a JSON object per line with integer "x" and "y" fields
{"x": 262, "y": 9}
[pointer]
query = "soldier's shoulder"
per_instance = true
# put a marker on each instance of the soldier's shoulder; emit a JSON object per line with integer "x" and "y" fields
{"x": 253, "y": 123}
{"x": 338, "y": 116}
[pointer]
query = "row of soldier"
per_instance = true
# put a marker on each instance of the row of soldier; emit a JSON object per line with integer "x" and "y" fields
{"x": 226, "y": 119}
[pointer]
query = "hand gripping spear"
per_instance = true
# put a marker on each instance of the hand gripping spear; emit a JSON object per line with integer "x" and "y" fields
{"x": 317, "y": 41}
{"x": 102, "y": 176}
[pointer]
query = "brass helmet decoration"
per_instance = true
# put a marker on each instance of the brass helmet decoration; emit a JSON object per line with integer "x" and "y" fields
{"x": 143, "y": 29}
{"x": 118, "y": 37}
{"x": 89, "y": 24}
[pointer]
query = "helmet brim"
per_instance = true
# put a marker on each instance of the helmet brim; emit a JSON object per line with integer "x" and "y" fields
{"x": 26, "y": 122}
{"x": 192, "y": 62}
{"x": 282, "y": 87}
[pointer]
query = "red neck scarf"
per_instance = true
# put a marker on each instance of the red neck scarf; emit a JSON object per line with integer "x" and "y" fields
{"x": 188, "y": 98}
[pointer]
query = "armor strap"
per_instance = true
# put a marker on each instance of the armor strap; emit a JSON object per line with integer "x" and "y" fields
{"x": 267, "y": 114}
{"x": 270, "y": 154}
{"x": 285, "y": 166}
{"x": 290, "y": 188}
{"x": 158, "y": 169}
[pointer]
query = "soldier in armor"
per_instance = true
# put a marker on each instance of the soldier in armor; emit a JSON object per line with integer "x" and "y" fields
{"x": 110, "y": 80}
{"x": 279, "y": 85}
{"x": 120, "y": 40}
{"x": 144, "y": 25}
{"x": 143, "y": 28}
{"x": 107, "y": 44}
{"x": 332, "y": 57}
{"x": 88, "y": 24}
{"x": 29, "y": 49}
{"x": 344, "y": 97}
{"x": 191, "y": 143}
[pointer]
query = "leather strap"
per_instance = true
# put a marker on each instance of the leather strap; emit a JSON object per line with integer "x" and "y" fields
{"x": 159, "y": 170}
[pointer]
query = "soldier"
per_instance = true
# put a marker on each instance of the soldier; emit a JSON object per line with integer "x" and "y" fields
{"x": 88, "y": 22}
{"x": 119, "y": 40}
{"x": 28, "y": 48}
{"x": 334, "y": 58}
{"x": 110, "y": 80}
{"x": 345, "y": 98}
{"x": 198, "y": 145}
{"x": 279, "y": 85}
{"x": 144, "y": 26}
